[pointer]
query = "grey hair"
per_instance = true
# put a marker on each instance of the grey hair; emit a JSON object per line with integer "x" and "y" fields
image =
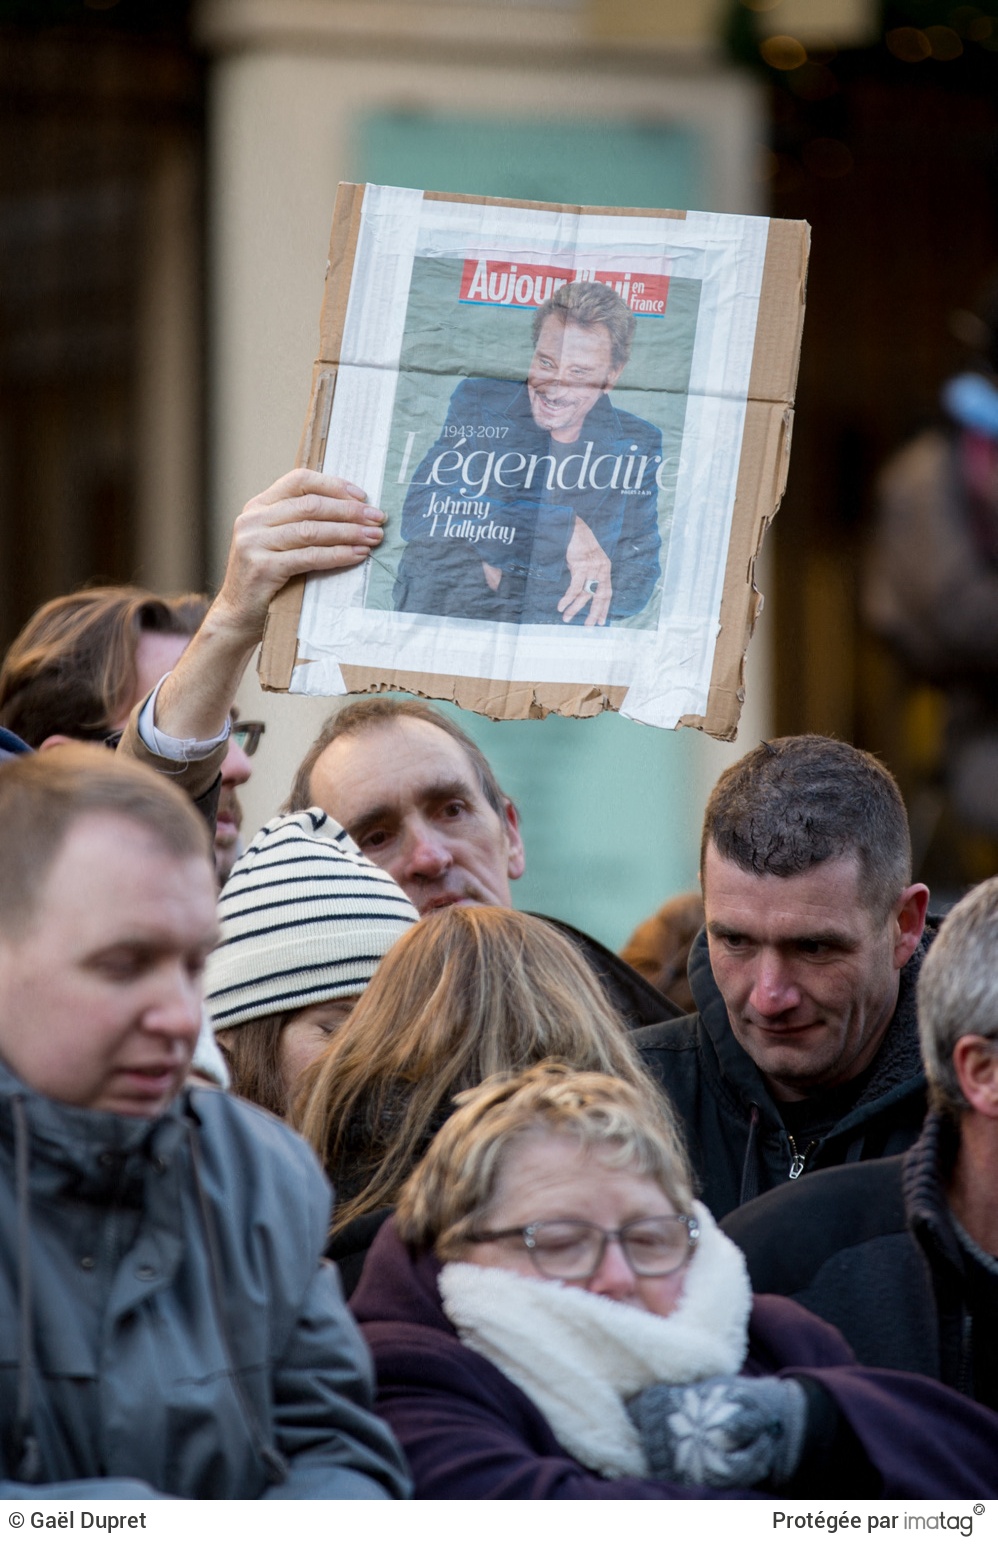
{"x": 958, "y": 991}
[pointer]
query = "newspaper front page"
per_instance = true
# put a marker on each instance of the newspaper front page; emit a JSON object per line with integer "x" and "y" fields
{"x": 550, "y": 406}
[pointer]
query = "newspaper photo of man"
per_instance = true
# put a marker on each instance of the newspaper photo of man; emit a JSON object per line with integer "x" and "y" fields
{"x": 538, "y": 502}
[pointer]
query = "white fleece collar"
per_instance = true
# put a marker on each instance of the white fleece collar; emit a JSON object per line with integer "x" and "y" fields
{"x": 579, "y": 1356}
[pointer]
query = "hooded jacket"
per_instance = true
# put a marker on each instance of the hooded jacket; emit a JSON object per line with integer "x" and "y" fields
{"x": 163, "y": 1312}
{"x": 878, "y": 1254}
{"x": 632, "y": 996}
{"x": 735, "y": 1134}
{"x": 470, "y": 1432}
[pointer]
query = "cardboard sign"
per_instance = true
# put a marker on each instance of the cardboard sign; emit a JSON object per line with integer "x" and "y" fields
{"x": 577, "y": 422}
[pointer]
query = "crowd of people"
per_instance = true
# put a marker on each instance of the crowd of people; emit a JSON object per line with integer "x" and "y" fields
{"x": 724, "y": 1229}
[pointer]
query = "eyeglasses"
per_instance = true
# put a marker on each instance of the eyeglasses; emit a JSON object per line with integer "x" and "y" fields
{"x": 246, "y": 734}
{"x": 572, "y": 1251}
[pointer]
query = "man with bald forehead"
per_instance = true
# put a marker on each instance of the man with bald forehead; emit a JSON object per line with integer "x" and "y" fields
{"x": 166, "y": 1327}
{"x": 420, "y": 799}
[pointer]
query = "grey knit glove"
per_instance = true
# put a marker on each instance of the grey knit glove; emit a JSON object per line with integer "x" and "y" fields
{"x": 725, "y": 1432}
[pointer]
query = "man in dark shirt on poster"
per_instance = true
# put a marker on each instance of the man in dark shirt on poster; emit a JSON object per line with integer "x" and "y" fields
{"x": 539, "y": 502}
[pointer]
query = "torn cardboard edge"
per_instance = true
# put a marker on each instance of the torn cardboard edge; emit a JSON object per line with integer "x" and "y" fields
{"x": 762, "y": 476}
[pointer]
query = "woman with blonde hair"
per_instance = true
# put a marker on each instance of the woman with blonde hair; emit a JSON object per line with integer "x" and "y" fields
{"x": 467, "y": 993}
{"x": 551, "y": 1314}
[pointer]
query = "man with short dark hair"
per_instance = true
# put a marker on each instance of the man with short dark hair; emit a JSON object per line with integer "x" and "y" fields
{"x": 804, "y": 1050}
{"x": 166, "y": 1327}
{"x": 902, "y": 1255}
{"x": 420, "y": 800}
{"x": 538, "y": 501}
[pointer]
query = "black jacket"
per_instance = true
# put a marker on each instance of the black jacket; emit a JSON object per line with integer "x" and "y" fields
{"x": 638, "y": 1003}
{"x": 736, "y": 1137}
{"x": 876, "y": 1253}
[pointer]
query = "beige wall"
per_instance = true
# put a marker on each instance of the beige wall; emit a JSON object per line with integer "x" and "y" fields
{"x": 815, "y": 23}
{"x": 287, "y": 81}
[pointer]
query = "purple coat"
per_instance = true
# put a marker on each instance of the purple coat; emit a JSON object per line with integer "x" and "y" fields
{"x": 468, "y": 1432}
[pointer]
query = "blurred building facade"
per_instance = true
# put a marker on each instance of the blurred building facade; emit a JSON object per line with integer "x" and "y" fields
{"x": 167, "y": 173}
{"x": 101, "y": 317}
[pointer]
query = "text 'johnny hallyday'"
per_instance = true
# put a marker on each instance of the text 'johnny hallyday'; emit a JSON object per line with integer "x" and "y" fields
{"x": 516, "y": 471}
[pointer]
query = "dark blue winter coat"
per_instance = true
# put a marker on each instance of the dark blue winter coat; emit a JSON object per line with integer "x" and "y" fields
{"x": 463, "y": 509}
{"x": 469, "y": 1432}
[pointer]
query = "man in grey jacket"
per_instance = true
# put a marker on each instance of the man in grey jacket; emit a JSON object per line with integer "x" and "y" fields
{"x": 166, "y": 1327}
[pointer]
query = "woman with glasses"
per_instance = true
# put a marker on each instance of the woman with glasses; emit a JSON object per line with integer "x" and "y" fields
{"x": 553, "y": 1315}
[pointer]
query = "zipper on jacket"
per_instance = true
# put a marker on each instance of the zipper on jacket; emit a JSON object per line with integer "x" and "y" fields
{"x": 965, "y": 1370}
{"x": 798, "y": 1160}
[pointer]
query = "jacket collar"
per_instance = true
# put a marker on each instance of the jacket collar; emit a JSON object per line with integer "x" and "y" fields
{"x": 398, "y": 1285}
{"x": 927, "y": 1167}
{"x": 93, "y": 1149}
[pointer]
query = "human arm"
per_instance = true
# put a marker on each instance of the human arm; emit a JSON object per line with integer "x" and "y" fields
{"x": 306, "y": 522}
{"x": 303, "y": 1369}
{"x": 723, "y": 1432}
{"x": 615, "y": 543}
{"x": 471, "y": 481}
{"x": 325, "y": 1430}
{"x": 918, "y": 1438}
{"x": 194, "y": 768}
{"x": 589, "y": 568}
{"x": 785, "y": 1435}
{"x": 637, "y": 556}
{"x": 911, "y": 1436}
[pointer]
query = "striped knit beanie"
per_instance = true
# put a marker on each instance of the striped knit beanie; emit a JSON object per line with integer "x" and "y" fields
{"x": 305, "y": 917}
